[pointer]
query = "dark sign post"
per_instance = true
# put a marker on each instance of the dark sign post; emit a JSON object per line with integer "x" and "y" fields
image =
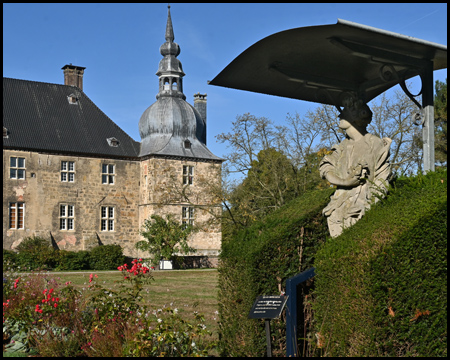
{"x": 268, "y": 307}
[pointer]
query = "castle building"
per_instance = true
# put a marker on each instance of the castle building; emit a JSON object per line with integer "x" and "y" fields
{"x": 71, "y": 175}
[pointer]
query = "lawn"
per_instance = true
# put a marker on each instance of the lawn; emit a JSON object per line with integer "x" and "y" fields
{"x": 186, "y": 290}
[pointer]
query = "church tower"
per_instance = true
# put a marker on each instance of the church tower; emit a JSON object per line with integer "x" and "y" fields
{"x": 178, "y": 171}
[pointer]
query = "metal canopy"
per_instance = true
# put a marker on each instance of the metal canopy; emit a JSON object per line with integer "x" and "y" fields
{"x": 323, "y": 63}
{"x": 328, "y": 63}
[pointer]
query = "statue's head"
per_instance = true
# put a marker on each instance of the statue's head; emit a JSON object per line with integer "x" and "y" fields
{"x": 357, "y": 113}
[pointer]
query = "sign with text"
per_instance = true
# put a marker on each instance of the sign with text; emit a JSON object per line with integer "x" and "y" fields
{"x": 267, "y": 307}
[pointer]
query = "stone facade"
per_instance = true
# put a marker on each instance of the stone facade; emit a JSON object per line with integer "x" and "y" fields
{"x": 141, "y": 188}
{"x": 166, "y": 190}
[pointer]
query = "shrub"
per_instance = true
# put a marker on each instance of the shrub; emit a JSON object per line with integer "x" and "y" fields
{"x": 35, "y": 253}
{"x": 257, "y": 261}
{"x": 69, "y": 260}
{"x": 381, "y": 287}
{"x": 9, "y": 257}
{"x": 106, "y": 257}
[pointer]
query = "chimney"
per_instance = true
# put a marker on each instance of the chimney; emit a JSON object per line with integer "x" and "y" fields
{"x": 73, "y": 75}
{"x": 200, "y": 106}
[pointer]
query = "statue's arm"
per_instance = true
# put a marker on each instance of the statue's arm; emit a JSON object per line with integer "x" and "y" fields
{"x": 351, "y": 181}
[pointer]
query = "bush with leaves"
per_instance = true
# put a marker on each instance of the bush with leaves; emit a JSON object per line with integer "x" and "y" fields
{"x": 165, "y": 238}
{"x": 257, "y": 261}
{"x": 106, "y": 257}
{"x": 35, "y": 253}
{"x": 72, "y": 260}
{"x": 381, "y": 286}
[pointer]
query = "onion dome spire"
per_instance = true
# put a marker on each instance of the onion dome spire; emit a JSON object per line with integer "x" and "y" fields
{"x": 170, "y": 71}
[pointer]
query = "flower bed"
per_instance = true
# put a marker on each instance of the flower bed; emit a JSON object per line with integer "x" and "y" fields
{"x": 56, "y": 319}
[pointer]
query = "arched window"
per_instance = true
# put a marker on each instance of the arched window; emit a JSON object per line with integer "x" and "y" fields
{"x": 174, "y": 84}
{"x": 166, "y": 84}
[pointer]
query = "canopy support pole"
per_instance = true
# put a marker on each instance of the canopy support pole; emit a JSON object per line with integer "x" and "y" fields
{"x": 428, "y": 125}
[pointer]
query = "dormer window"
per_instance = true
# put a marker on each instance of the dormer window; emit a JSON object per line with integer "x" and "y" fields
{"x": 187, "y": 144}
{"x": 113, "y": 142}
{"x": 5, "y": 133}
{"x": 72, "y": 98}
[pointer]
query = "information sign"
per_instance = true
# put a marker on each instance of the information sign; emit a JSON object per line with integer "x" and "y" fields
{"x": 268, "y": 307}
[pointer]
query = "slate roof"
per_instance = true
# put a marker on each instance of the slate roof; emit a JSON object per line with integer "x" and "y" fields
{"x": 38, "y": 116}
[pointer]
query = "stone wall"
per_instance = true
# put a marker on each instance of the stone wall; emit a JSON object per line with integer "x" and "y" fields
{"x": 43, "y": 193}
{"x": 140, "y": 189}
{"x": 163, "y": 192}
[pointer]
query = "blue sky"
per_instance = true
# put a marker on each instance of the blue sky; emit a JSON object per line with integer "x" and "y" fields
{"x": 119, "y": 46}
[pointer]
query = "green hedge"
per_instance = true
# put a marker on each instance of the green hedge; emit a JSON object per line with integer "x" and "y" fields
{"x": 72, "y": 260}
{"x": 381, "y": 287}
{"x": 37, "y": 253}
{"x": 256, "y": 260}
{"x": 106, "y": 257}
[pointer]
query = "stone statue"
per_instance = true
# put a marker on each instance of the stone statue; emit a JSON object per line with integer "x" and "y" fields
{"x": 359, "y": 167}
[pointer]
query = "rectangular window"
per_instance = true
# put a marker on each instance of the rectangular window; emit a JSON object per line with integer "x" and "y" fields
{"x": 68, "y": 171}
{"x": 187, "y": 217}
{"x": 16, "y": 168}
{"x": 108, "y": 173}
{"x": 16, "y": 215}
{"x": 66, "y": 217}
{"x": 107, "y": 218}
{"x": 188, "y": 175}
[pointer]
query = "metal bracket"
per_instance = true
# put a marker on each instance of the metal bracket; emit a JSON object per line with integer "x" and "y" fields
{"x": 418, "y": 117}
{"x": 388, "y": 73}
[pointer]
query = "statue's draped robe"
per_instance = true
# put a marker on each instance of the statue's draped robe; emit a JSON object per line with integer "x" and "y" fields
{"x": 348, "y": 204}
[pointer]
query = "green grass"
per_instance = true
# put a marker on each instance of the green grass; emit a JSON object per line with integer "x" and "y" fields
{"x": 187, "y": 290}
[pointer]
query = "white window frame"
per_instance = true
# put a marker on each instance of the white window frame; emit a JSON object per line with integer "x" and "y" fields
{"x": 107, "y": 218}
{"x": 66, "y": 217}
{"x": 187, "y": 216}
{"x": 108, "y": 174}
{"x": 188, "y": 174}
{"x": 67, "y": 171}
{"x": 16, "y": 209}
{"x": 16, "y": 168}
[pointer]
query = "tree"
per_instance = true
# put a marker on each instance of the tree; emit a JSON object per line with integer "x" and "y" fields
{"x": 165, "y": 237}
{"x": 440, "y": 123}
{"x": 270, "y": 183}
{"x": 249, "y": 135}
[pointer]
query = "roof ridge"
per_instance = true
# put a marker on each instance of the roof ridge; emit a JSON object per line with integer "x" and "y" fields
{"x": 40, "y": 82}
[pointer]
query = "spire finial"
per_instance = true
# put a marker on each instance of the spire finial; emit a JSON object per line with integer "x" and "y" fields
{"x": 169, "y": 28}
